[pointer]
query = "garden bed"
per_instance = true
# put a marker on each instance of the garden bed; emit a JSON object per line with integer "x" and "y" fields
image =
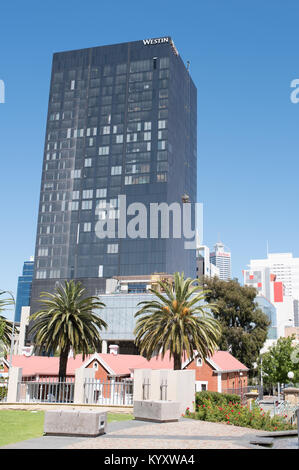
{"x": 223, "y": 408}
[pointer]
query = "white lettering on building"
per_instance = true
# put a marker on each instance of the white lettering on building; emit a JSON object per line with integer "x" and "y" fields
{"x": 148, "y": 42}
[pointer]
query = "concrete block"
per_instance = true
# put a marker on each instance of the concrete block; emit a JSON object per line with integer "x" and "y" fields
{"x": 265, "y": 442}
{"x": 157, "y": 411}
{"x": 15, "y": 378}
{"x": 75, "y": 423}
{"x": 180, "y": 386}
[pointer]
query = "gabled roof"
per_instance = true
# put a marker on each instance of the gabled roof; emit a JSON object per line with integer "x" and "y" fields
{"x": 226, "y": 362}
{"x": 221, "y": 361}
{"x": 116, "y": 364}
{"x": 119, "y": 364}
{"x": 43, "y": 365}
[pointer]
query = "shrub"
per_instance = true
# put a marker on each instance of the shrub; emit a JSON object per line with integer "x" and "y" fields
{"x": 3, "y": 392}
{"x": 235, "y": 413}
{"x": 215, "y": 398}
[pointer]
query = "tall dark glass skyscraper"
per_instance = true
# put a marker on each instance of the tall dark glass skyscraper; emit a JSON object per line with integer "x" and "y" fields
{"x": 24, "y": 289}
{"x": 122, "y": 120}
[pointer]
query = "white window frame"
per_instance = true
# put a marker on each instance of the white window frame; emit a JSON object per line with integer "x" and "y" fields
{"x": 199, "y": 384}
{"x": 198, "y": 362}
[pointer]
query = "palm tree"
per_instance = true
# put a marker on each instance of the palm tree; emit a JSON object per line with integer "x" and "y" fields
{"x": 66, "y": 322}
{"x": 177, "y": 321}
{"x": 6, "y": 326}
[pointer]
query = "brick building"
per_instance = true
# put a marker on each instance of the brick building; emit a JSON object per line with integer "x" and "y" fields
{"x": 220, "y": 373}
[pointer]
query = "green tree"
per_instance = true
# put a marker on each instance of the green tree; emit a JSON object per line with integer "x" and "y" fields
{"x": 66, "y": 322}
{"x": 178, "y": 321}
{"x": 6, "y": 326}
{"x": 244, "y": 325}
{"x": 278, "y": 361}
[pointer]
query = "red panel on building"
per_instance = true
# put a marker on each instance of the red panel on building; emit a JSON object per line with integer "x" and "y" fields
{"x": 251, "y": 276}
{"x": 278, "y": 292}
{"x": 259, "y": 284}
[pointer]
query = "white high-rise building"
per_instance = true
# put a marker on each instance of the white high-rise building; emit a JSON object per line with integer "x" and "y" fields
{"x": 221, "y": 258}
{"x": 203, "y": 265}
{"x": 277, "y": 278}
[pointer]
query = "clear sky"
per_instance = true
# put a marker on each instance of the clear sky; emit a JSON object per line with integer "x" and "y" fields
{"x": 244, "y": 55}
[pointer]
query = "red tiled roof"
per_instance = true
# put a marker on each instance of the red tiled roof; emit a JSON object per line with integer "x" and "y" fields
{"x": 156, "y": 363}
{"x": 223, "y": 360}
{"x": 49, "y": 366}
{"x": 43, "y": 365}
{"x": 122, "y": 363}
{"x": 226, "y": 361}
{"x": 119, "y": 364}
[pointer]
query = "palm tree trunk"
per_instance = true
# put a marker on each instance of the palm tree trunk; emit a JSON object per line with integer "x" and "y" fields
{"x": 62, "y": 374}
{"x": 177, "y": 362}
{"x": 63, "y": 364}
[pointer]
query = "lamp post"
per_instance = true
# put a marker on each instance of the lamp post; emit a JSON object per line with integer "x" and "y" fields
{"x": 241, "y": 375}
{"x": 261, "y": 390}
{"x": 291, "y": 375}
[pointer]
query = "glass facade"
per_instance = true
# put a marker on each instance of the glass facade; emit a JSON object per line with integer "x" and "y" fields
{"x": 122, "y": 120}
{"x": 119, "y": 315}
{"x": 269, "y": 309}
{"x": 24, "y": 289}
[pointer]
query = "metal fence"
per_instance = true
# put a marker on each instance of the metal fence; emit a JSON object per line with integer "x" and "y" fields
{"x": 46, "y": 390}
{"x": 3, "y": 390}
{"x": 99, "y": 392}
{"x": 241, "y": 391}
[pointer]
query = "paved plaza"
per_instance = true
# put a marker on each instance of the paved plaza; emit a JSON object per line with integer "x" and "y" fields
{"x": 184, "y": 434}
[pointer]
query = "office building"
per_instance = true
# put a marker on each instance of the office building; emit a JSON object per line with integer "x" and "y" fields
{"x": 204, "y": 267}
{"x": 277, "y": 278}
{"x": 121, "y": 296}
{"x": 122, "y": 121}
{"x": 24, "y": 288}
{"x": 221, "y": 258}
{"x": 269, "y": 309}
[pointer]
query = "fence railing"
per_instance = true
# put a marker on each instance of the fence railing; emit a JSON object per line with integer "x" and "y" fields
{"x": 3, "y": 390}
{"x": 286, "y": 409}
{"x": 241, "y": 391}
{"x": 99, "y": 392}
{"x": 46, "y": 390}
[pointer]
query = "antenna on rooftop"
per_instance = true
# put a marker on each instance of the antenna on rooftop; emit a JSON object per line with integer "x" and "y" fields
{"x": 188, "y": 65}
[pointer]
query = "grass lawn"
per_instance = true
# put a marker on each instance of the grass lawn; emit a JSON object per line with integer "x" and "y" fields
{"x": 19, "y": 425}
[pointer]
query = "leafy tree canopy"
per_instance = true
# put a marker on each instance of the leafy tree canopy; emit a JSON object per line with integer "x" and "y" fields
{"x": 281, "y": 358}
{"x": 244, "y": 325}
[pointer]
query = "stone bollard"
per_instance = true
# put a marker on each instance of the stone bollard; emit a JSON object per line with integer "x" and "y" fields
{"x": 75, "y": 423}
{"x": 291, "y": 395}
{"x": 250, "y": 398}
{"x": 157, "y": 411}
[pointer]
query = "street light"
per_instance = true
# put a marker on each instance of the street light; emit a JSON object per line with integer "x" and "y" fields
{"x": 241, "y": 375}
{"x": 291, "y": 375}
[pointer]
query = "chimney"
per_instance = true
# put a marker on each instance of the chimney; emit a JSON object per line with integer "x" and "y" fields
{"x": 113, "y": 349}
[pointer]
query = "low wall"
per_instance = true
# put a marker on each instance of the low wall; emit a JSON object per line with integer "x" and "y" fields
{"x": 126, "y": 409}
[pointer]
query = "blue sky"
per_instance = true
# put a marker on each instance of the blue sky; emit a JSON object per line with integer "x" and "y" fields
{"x": 244, "y": 55}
